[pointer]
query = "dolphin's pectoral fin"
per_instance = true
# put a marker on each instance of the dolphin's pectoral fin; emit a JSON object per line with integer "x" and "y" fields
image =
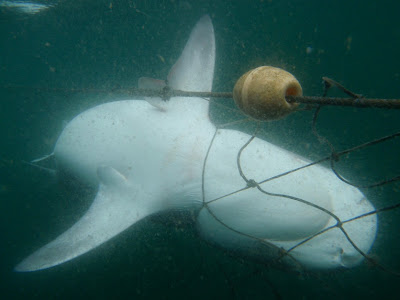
{"x": 117, "y": 205}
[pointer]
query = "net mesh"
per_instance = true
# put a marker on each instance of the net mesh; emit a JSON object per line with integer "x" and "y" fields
{"x": 332, "y": 160}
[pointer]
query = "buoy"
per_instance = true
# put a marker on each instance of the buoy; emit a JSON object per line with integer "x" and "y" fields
{"x": 261, "y": 92}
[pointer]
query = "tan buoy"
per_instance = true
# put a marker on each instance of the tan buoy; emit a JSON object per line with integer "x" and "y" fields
{"x": 261, "y": 92}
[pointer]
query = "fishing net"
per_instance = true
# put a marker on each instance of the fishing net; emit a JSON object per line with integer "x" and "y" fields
{"x": 375, "y": 188}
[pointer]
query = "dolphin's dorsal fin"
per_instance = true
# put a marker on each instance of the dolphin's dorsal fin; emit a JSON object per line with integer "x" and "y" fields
{"x": 194, "y": 71}
{"x": 153, "y": 84}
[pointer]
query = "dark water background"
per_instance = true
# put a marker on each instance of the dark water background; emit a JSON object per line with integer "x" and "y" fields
{"x": 93, "y": 44}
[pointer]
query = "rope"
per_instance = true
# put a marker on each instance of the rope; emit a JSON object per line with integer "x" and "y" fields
{"x": 166, "y": 93}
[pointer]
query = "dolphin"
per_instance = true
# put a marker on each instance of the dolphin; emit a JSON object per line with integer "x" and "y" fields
{"x": 149, "y": 157}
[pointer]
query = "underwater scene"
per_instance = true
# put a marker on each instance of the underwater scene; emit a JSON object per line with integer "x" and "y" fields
{"x": 118, "y": 181}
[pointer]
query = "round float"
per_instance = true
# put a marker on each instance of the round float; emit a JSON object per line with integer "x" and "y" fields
{"x": 261, "y": 92}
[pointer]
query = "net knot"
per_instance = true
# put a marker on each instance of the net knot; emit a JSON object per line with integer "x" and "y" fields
{"x": 251, "y": 183}
{"x": 335, "y": 156}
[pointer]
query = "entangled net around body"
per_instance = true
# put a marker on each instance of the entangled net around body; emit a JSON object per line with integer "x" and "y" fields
{"x": 332, "y": 159}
